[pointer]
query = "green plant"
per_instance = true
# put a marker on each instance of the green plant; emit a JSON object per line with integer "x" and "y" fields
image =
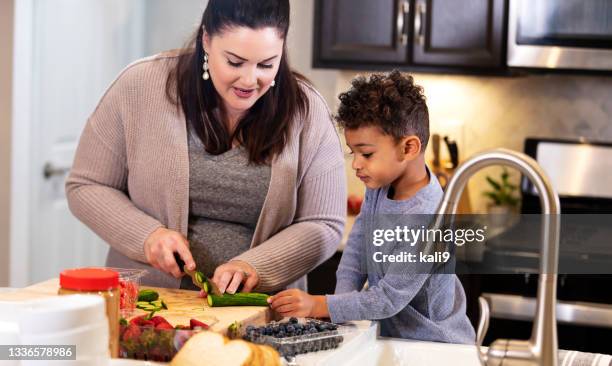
{"x": 502, "y": 193}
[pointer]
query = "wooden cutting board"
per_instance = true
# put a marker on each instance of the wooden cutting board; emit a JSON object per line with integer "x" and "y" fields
{"x": 182, "y": 306}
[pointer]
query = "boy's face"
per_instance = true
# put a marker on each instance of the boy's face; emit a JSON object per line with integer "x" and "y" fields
{"x": 378, "y": 159}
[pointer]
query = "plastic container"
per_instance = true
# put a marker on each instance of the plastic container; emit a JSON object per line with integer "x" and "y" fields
{"x": 129, "y": 285}
{"x": 305, "y": 343}
{"x": 151, "y": 344}
{"x": 101, "y": 282}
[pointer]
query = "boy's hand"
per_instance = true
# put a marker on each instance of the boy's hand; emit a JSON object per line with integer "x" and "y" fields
{"x": 294, "y": 302}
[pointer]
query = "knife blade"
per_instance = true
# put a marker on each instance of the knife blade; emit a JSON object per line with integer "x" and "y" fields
{"x": 197, "y": 277}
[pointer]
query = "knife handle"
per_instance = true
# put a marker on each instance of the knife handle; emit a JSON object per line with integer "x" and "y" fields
{"x": 179, "y": 261}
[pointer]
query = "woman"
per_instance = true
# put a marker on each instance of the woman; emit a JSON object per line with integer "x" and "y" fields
{"x": 219, "y": 153}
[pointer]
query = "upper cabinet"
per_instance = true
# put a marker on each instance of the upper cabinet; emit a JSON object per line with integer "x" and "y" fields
{"x": 363, "y": 30}
{"x": 410, "y": 34}
{"x": 465, "y": 33}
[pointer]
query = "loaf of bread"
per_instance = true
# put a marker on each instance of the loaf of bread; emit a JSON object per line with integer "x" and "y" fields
{"x": 209, "y": 348}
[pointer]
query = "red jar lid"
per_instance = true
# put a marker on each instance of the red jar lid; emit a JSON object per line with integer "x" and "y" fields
{"x": 89, "y": 279}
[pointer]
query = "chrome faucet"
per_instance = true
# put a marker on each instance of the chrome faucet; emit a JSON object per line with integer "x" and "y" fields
{"x": 541, "y": 348}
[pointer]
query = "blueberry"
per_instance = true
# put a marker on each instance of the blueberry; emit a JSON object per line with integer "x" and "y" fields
{"x": 293, "y": 320}
{"x": 290, "y": 329}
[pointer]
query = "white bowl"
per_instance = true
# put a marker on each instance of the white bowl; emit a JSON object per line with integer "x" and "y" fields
{"x": 10, "y": 310}
{"x": 90, "y": 340}
{"x": 9, "y": 333}
{"x": 61, "y": 313}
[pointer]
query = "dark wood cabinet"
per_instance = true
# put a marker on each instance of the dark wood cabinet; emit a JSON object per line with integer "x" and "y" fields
{"x": 363, "y": 30}
{"x": 462, "y": 33}
{"x": 410, "y": 34}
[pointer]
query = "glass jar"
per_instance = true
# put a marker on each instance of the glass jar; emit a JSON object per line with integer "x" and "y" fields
{"x": 97, "y": 281}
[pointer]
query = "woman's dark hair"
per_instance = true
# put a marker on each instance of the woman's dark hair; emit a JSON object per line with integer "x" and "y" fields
{"x": 392, "y": 102}
{"x": 264, "y": 129}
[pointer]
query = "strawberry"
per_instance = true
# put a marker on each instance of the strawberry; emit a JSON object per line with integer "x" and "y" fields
{"x": 128, "y": 294}
{"x": 159, "y": 319}
{"x": 147, "y": 323}
{"x": 142, "y": 321}
{"x": 164, "y": 325}
{"x": 132, "y": 331}
{"x": 137, "y": 320}
{"x": 194, "y": 323}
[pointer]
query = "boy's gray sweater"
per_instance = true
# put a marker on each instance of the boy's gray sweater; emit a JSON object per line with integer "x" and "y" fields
{"x": 417, "y": 306}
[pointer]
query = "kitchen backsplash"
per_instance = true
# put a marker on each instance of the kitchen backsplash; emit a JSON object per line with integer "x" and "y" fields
{"x": 490, "y": 112}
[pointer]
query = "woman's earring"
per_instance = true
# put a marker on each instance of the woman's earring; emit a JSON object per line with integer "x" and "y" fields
{"x": 273, "y": 83}
{"x": 205, "y": 75}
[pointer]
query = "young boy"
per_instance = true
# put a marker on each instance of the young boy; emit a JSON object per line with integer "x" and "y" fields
{"x": 386, "y": 125}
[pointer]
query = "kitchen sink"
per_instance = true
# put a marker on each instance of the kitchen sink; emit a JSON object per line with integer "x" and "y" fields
{"x": 414, "y": 353}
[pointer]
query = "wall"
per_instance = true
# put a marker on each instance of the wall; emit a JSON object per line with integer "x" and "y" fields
{"x": 168, "y": 24}
{"x": 6, "y": 67}
{"x": 300, "y": 44}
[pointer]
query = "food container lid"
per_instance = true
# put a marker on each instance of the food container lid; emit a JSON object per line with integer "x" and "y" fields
{"x": 89, "y": 279}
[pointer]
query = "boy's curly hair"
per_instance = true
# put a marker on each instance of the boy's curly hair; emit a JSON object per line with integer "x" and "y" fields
{"x": 390, "y": 101}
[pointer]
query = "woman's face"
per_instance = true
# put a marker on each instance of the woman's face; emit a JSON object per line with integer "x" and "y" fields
{"x": 242, "y": 64}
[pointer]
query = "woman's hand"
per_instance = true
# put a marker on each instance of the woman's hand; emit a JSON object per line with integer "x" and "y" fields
{"x": 294, "y": 302}
{"x": 230, "y": 275}
{"x": 160, "y": 247}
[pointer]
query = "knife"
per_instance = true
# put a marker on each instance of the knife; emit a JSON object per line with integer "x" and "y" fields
{"x": 197, "y": 277}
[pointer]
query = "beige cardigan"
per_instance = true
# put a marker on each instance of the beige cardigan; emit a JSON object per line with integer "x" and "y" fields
{"x": 131, "y": 176}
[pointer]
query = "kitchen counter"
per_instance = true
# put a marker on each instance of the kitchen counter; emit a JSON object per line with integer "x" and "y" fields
{"x": 360, "y": 346}
{"x": 365, "y": 349}
{"x": 182, "y": 306}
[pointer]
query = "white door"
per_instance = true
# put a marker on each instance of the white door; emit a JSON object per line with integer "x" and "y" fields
{"x": 76, "y": 49}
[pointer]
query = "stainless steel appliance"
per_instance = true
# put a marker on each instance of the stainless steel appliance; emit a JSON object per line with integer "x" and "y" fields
{"x": 560, "y": 34}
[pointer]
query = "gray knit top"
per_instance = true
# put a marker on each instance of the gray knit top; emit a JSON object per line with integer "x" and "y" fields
{"x": 226, "y": 195}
